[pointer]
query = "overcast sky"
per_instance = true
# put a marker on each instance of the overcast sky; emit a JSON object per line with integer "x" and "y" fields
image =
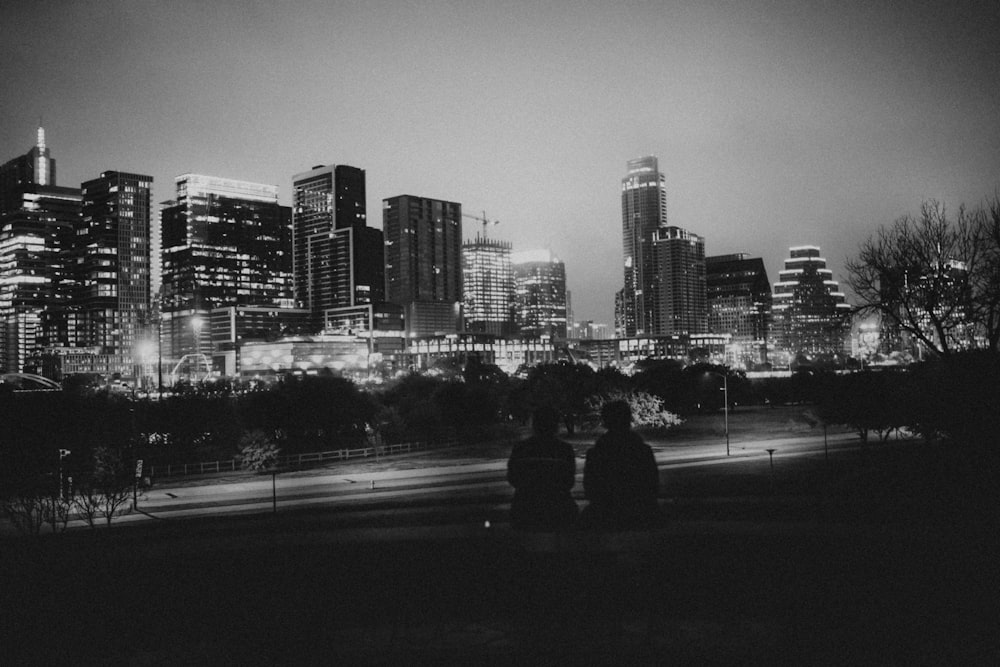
{"x": 776, "y": 123}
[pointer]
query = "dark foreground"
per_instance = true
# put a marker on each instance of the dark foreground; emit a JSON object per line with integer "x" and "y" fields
{"x": 771, "y": 588}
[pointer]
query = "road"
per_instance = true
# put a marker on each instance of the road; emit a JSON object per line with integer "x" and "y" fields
{"x": 442, "y": 487}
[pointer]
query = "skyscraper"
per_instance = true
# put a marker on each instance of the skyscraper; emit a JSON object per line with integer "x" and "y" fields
{"x": 337, "y": 260}
{"x": 111, "y": 265}
{"x": 423, "y": 262}
{"x": 225, "y": 243}
{"x": 488, "y": 286}
{"x": 644, "y": 211}
{"x": 36, "y": 167}
{"x": 37, "y": 221}
{"x": 810, "y": 311}
{"x": 540, "y": 303}
{"x": 739, "y": 304}
{"x": 679, "y": 284}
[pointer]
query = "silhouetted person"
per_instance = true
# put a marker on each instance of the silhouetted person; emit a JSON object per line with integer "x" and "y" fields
{"x": 620, "y": 478}
{"x": 542, "y": 470}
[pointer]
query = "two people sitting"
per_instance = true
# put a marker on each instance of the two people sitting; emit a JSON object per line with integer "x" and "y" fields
{"x": 620, "y": 478}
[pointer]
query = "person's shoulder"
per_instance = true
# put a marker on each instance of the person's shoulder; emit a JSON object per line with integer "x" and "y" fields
{"x": 564, "y": 447}
{"x": 524, "y": 447}
{"x": 637, "y": 440}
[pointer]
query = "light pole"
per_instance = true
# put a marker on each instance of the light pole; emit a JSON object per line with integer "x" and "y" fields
{"x": 725, "y": 389}
{"x": 63, "y": 453}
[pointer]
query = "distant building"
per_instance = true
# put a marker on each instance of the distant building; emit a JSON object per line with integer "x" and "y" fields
{"x": 346, "y": 355}
{"x": 34, "y": 168}
{"x": 540, "y": 307}
{"x": 488, "y": 286}
{"x": 590, "y": 330}
{"x": 679, "y": 259}
{"x": 810, "y": 312}
{"x": 338, "y": 260}
{"x": 233, "y": 327}
{"x": 423, "y": 262}
{"x": 37, "y": 223}
{"x": 111, "y": 266}
{"x": 739, "y": 304}
{"x": 225, "y": 243}
{"x": 644, "y": 212}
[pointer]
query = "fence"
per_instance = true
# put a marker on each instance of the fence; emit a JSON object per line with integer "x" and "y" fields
{"x": 297, "y": 460}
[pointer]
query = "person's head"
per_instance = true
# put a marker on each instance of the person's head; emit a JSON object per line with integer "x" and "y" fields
{"x": 545, "y": 420}
{"x": 617, "y": 416}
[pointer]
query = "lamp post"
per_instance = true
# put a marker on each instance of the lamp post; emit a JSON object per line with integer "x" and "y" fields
{"x": 63, "y": 453}
{"x": 725, "y": 389}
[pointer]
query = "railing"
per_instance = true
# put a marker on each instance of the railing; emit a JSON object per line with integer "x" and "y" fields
{"x": 297, "y": 460}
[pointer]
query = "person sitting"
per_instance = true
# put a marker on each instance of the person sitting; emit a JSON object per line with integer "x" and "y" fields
{"x": 542, "y": 470}
{"x": 620, "y": 477}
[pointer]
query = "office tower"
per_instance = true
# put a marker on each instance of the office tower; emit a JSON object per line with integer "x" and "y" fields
{"x": 810, "y": 312}
{"x": 739, "y": 304}
{"x": 644, "y": 212}
{"x": 423, "y": 262}
{"x": 539, "y": 294}
{"x": 36, "y": 167}
{"x": 225, "y": 243}
{"x": 37, "y": 221}
{"x": 111, "y": 266}
{"x": 487, "y": 286}
{"x": 337, "y": 260}
{"x": 678, "y": 258}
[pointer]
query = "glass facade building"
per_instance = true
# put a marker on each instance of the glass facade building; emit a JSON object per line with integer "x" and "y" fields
{"x": 337, "y": 260}
{"x": 679, "y": 260}
{"x": 111, "y": 260}
{"x": 423, "y": 262}
{"x": 810, "y": 312}
{"x": 487, "y": 286}
{"x": 739, "y": 305}
{"x": 225, "y": 243}
{"x": 37, "y": 222}
{"x": 644, "y": 212}
{"x": 540, "y": 307}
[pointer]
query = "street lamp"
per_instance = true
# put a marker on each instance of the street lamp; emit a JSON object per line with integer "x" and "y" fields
{"x": 725, "y": 388}
{"x": 63, "y": 453}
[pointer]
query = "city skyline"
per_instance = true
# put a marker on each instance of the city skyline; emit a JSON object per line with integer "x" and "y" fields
{"x": 775, "y": 125}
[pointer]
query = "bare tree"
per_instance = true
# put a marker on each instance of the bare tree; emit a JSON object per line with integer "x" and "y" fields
{"x": 26, "y": 511}
{"x": 87, "y": 502}
{"x": 934, "y": 277}
{"x": 112, "y": 481}
{"x": 56, "y": 511}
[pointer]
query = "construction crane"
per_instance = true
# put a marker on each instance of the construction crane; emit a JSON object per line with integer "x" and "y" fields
{"x": 483, "y": 220}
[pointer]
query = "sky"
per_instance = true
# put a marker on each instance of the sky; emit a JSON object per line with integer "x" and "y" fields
{"x": 776, "y": 124}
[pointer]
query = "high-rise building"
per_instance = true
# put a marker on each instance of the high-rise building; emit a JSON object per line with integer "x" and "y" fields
{"x": 488, "y": 286}
{"x": 739, "y": 305}
{"x": 810, "y": 312}
{"x": 225, "y": 243}
{"x": 423, "y": 262}
{"x": 644, "y": 212}
{"x": 36, "y": 167}
{"x": 539, "y": 294}
{"x": 679, "y": 260}
{"x": 37, "y": 221}
{"x": 111, "y": 266}
{"x": 337, "y": 259}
